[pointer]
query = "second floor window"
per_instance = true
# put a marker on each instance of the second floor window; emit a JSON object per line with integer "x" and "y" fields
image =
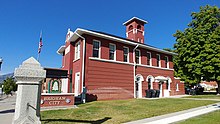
{"x": 112, "y": 52}
{"x": 137, "y": 56}
{"x": 125, "y": 52}
{"x": 148, "y": 58}
{"x": 166, "y": 62}
{"x": 158, "y": 60}
{"x": 77, "y": 50}
{"x": 96, "y": 46}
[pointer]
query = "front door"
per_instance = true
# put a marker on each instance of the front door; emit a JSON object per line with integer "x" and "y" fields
{"x": 77, "y": 84}
{"x": 138, "y": 88}
{"x": 160, "y": 88}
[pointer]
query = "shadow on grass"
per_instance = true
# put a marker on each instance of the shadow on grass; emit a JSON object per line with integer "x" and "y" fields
{"x": 79, "y": 121}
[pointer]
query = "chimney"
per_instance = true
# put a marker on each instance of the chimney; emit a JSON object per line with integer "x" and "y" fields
{"x": 135, "y": 29}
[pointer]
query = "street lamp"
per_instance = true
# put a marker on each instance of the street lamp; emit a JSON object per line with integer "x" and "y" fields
{"x": 1, "y": 60}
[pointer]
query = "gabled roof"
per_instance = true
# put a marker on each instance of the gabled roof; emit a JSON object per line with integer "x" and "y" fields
{"x": 135, "y": 18}
{"x": 80, "y": 31}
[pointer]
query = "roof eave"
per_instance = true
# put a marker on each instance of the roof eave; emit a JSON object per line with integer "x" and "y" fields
{"x": 61, "y": 50}
{"x": 145, "y": 22}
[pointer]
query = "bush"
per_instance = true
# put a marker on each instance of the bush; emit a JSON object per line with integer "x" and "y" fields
{"x": 9, "y": 85}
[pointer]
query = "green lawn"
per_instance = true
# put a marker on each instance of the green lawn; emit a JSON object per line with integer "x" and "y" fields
{"x": 118, "y": 111}
{"x": 205, "y": 96}
{"x": 210, "y": 118}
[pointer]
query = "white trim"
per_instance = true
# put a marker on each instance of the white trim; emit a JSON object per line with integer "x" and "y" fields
{"x": 76, "y": 60}
{"x": 177, "y": 78}
{"x": 77, "y": 50}
{"x": 54, "y": 94}
{"x": 177, "y": 87}
{"x": 159, "y": 60}
{"x": 107, "y": 60}
{"x": 67, "y": 50}
{"x": 150, "y": 59}
{"x": 152, "y": 80}
{"x": 77, "y": 84}
{"x": 127, "y": 55}
{"x": 82, "y": 31}
{"x": 135, "y": 18}
{"x": 61, "y": 50}
{"x": 120, "y": 62}
{"x": 99, "y": 47}
{"x": 114, "y": 51}
{"x": 139, "y": 95}
{"x": 167, "y": 61}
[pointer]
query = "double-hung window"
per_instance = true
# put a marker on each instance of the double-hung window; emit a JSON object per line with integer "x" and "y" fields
{"x": 149, "y": 59}
{"x": 112, "y": 51}
{"x": 126, "y": 55}
{"x": 96, "y": 47}
{"x": 166, "y": 62}
{"x": 137, "y": 56}
{"x": 158, "y": 60}
{"x": 77, "y": 50}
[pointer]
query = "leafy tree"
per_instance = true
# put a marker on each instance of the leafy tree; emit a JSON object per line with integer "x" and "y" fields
{"x": 198, "y": 47}
{"x": 9, "y": 85}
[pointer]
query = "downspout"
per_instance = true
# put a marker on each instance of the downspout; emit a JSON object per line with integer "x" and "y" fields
{"x": 83, "y": 68}
{"x": 134, "y": 67}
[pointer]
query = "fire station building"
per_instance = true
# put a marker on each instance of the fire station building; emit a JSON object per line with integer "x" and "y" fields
{"x": 105, "y": 66}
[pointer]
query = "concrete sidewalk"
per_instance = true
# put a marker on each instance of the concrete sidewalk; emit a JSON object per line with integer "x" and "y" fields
{"x": 178, "y": 116}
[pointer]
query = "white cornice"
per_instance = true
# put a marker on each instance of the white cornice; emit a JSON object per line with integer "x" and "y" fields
{"x": 135, "y": 18}
{"x": 80, "y": 31}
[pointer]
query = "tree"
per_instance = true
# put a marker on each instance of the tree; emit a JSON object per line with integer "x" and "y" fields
{"x": 198, "y": 47}
{"x": 9, "y": 85}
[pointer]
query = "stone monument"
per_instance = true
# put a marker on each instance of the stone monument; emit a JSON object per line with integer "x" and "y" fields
{"x": 29, "y": 76}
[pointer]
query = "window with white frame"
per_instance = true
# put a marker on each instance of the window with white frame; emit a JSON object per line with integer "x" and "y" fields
{"x": 96, "y": 49}
{"x": 77, "y": 50}
{"x": 137, "y": 56}
{"x": 149, "y": 59}
{"x": 112, "y": 51}
{"x": 166, "y": 62}
{"x": 126, "y": 55}
{"x": 158, "y": 60}
{"x": 177, "y": 87}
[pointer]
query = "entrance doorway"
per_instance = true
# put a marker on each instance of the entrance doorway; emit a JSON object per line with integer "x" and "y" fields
{"x": 77, "y": 84}
{"x": 138, "y": 86}
{"x": 160, "y": 88}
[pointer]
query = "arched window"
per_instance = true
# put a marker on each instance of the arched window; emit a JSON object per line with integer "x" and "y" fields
{"x": 130, "y": 27}
{"x": 139, "y": 27}
{"x": 150, "y": 80}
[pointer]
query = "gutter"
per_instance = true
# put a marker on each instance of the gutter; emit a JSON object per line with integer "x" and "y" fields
{"x": 83, "y": 67}
{"x": 134, "y": 68}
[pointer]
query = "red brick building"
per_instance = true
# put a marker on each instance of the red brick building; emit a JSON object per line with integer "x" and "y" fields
{"x": 112, "y": 67}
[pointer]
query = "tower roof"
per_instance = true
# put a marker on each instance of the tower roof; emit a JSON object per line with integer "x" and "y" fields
{"x": 135, "y": 18}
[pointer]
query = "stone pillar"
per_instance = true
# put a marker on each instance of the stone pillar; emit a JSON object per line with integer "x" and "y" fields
{"x": 29, "y": 76}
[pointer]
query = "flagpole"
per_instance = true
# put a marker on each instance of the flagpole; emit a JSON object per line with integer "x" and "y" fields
{"x": 39, "y": 47}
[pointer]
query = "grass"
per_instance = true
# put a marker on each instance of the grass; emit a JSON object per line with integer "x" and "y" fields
{"x": 205, "y": 96}
{"x": 118, "y": 111}
{"x": 210, "y": 118}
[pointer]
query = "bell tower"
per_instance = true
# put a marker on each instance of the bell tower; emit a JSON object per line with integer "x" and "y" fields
{"x": 135, "y": 29}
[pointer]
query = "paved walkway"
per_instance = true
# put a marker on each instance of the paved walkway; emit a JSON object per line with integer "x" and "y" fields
{"x": 7, "y": 108}
{"x": 178, "y": 116}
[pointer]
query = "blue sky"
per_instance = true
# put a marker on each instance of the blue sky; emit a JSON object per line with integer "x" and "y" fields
{"x": 22, "y": 20}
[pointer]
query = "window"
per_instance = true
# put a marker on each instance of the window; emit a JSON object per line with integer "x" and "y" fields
{"x": 149, "y": 58}
{"x": 177, "y": 87}
{"x": 158, "y": 60}
{"x": 137, "y": 57}
{"x": 126, "y": 55}
{"x": 139, "y": 27}
{"x": 166, "y": 62}
{"x": 112, "y": 55}
{"x": 96, "y": 46}
{"x": 77, "y": 50}
{"x": 130, "y": 27}
{"x": 149, "y": 83}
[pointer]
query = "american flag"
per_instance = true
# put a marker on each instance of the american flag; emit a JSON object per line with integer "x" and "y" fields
{"x": 40, "y": 43}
